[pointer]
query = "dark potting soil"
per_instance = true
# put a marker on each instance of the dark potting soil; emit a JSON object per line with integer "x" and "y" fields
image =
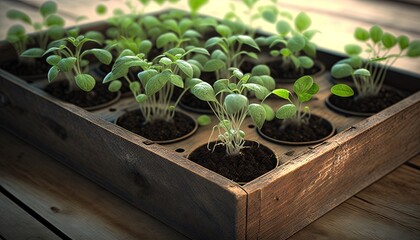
{"x": 317, "y": 128}
{"x": 158, "y": 130}
{"x": 98, "y": 96}
{"x": 252, "y": 162}
{"x": 36, "y": 66}
{"x": 372, "y": 104}
{"x": 287, "y": 75}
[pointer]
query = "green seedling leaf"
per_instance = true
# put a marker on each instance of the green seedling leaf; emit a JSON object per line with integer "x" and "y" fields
{"x": 145, "y": 46}
{"x": 244, "y": 39}
{"x": 414, "y": 49}
{"x": 221, "y": 85}
{"x": 165, "y": 61}
{"x": 342, "y": 90}
{"x": 204, "y": 92}
{"x": 309, "y": 34}
{"x": 213, "y": 65}
{"x": 54, "y": 20}
{"x": 258, "y": 114}
{"x": 196, "y": 69}
{"x": 285, "y": 52}
{"x": 362, "y": 72}
{"x": 172, "y": 25}
{"x": 286, "y": 111}
{"x": 304, "y": 97}
{"x": 85, "y": 82}
{"x": 306, "y": 62}
{"x": 403, "y": 42}
{"x": 141, "y": 98}
{"x": 115, "y": 86}
{"x": 66, "y": 64}
{"x": 177, "y": 81}
{"x": 376, "y": 33}
{"x": 56, "y": 32}
{"x": 191, "y": 34}
{"x": 314, "y": 89}
{"x": 283, "y": 27}
{"x": 212, "y": 41}
{"x": 361, "y": 34}
{"x": 102, "y": 55}
{"x": 33, "y": 53}
{"x": 303, "y": 84}
{"x": 268, "y": 82}
{"x": 101, "y": 9}
{"x": 352, "y": 49}
{"x": 48, "y": 8}
{"x": 52, "y": 73}
{"x": 134, "y": 87}
{"x": 191, "y": 82}
{"x": 302, "y": 21}
{"x": 341, "y": 70}
{"x": 53, "y": 59}
{"x": 185, "y": 67}
{"x": 269, "y": 112}
{"x": 260, "y": 70}
{"x": 389, "y": 40}
{"x": 296, "y": 43}
{"x": 269, "y": 15}
{"x": 156, "y": 83}
{"x": 282, "y": 93}
{"x": 354, "y": 61}
{"x": 199, "y": 50}
{"x": 235, "y": 102}
{"x": 203, "y": 120}
{"x": 237, "y": 73}
{"x": 18, "y": 15}
{"x": 146, "y": 75}
{"x": 166, "y": 38}
{"x": 223, "y": 30}
{"x": 196, "y": 4}
{"x": 260, "y": 91}
{"x": 95, "y": 35}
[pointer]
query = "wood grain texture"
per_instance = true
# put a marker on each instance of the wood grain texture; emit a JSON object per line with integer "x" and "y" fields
{"x": 388, "y": 209}
{"x": 415, "y": 161}
{"x": 304, "y": 189}
{"x": 148, "y": 176}
{"x": 17, "y": 224}
{"x": 76, "y": 206}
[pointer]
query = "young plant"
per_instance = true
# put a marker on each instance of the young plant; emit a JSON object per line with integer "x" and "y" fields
{"x": 295, "y": 112}
{"x": 228, "y": 102}
{"x": 291, "y": 42}
{"x": 154, "y": 88}
{"x": 229, "y": 53}
{"x": 51, "y": 27}
{"x": 70, "y": 61}
{"x": 383, "y": 50}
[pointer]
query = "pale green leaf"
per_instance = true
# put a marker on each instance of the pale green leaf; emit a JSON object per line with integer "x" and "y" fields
{"x": 286, "y": 111}
{"x": 257, "y": 113}
{"x": 85, "y": 82}
{"x": 342, "y": 90}
{"x": 234, "y": 103}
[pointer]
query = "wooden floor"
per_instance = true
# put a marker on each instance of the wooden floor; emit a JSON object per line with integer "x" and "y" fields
{"x": 42, "y": 199}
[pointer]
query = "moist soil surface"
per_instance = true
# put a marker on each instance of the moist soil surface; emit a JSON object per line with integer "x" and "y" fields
{"x": 316, "y": 129}
{"x": 158, "y": 130}
{"x": 29, "y": 69}
{"x": 98, "y": 96}
{"x": 252, "y": 162}
{"x": 372, "y": 104}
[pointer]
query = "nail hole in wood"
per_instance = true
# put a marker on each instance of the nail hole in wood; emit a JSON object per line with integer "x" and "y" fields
{"x": 179, "y": 150}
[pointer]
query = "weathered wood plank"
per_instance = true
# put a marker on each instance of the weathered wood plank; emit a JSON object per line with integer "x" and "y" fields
{"x": 17, "y": 224}
{"x": 343, "y": 166}
{"x": 388, "y": 209}
{"x": 72, "y": 203}
{"x": 415, "y": 161}
{"x": 122, "y": 162}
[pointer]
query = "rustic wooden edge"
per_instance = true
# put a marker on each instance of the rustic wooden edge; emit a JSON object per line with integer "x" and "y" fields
{"x": 344, "y": 165}
{"x": 140, "y": 173}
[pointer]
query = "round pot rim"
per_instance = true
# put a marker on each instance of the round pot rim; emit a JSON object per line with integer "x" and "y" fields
{"x": 105, "y": 104}
{"x": 240, "y": 182}
{"x": 275, "y": 140}
{"x": 185, "y": 136}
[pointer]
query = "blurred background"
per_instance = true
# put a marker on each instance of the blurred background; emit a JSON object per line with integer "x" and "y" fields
{"x": 336, "y": 20}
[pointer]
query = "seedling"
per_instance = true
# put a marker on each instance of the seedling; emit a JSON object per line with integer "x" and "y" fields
{"x": 154, "y": 88}
{"x": 369, "y": 74}
{"x": 71, "y": 62}
{"x": 295, "y": 112}
{"x": 231, "y": 106}
{"x": 291, "y": 42}
{"x": 51, "y": 27}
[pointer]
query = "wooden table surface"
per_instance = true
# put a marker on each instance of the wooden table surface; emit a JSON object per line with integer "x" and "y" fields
{"x": 42, "y": 199}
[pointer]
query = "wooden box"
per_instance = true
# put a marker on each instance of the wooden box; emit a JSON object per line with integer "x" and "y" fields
{"x": 310, "y": 181}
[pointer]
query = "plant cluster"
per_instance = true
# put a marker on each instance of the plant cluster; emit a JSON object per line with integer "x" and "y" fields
{"x": 383, "y": 50}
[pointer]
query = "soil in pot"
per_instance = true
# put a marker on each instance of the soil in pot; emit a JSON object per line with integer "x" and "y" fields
{"x": 158, "y": 131}
{"x": 31, "y": 70}
{"x": 99, "y": 97}
{"x": 316, "y": 130}
{"x": 254, "y": 161}
{"x": 364, "y": 106}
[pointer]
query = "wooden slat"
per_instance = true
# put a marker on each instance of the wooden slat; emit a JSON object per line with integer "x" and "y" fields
{"x": 17, "y": 224}
{"x": 149, "y": 176}
{"x": 388, "y": 209}
{"x": 77, "y": 207}
{"x": 415, "y": 161}
{"x": 343, "y": 166}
